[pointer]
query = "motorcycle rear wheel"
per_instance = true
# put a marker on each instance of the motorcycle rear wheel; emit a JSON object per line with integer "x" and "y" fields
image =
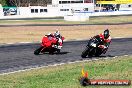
{"x": 58, "y": 51}
{"x": 98, "y": 53}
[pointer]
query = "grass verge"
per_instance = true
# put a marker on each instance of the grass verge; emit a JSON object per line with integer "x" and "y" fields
{"x": 66, "y": 76}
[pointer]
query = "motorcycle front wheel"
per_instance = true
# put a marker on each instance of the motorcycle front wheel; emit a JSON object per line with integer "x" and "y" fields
{"x": 37, "y": 51}
{"x": 85, "y": 53}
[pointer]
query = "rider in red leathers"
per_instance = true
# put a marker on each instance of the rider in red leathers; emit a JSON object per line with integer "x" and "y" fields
{"x": 59, "y": 39}
{"x": 105, "y": 40}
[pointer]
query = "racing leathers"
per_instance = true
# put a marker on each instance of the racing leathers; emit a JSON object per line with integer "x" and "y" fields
{"x": 59, "y": 39}
{"x": 59, "y": 42}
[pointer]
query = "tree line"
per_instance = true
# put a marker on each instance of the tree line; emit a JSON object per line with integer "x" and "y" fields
{"x": 19, "y": 3}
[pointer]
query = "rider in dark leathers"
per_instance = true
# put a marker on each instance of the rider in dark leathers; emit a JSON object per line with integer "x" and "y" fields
{"x": 105, "y": 40}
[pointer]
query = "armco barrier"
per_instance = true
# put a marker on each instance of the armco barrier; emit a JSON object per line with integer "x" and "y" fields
{"x": 83, "y": 16}
{"x": 79, "y": 16}
{"x": 122, "y": 12}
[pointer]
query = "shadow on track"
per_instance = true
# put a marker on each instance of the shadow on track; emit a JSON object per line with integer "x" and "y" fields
{"x": 61, "y": 53}
{"x": 106, "y": 56}
{"x": 102, "y": 56}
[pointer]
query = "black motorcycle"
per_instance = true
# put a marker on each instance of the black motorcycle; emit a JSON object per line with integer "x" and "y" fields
{"x": 94, "y": 48}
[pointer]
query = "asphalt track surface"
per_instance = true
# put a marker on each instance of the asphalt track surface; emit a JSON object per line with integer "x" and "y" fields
{"x": 20, "y": 56}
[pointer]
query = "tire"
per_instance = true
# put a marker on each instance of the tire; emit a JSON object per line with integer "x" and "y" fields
{"x": 91, "y": 52}
{"x": 97, "y": 54}
{"x": 37, "y": 51}
{"x": 58, "y": 51}
{"x": 85, "y": 53}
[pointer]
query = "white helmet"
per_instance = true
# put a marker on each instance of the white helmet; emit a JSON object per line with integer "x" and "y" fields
{"x": 50, "y": 34}
{"x": 57, "y": 34}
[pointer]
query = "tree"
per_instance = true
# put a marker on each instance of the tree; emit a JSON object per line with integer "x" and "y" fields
{"x": 11, "y": 3}
{"x": 3, "y": 2}
{"x": 8, "y": 3}
{"x": 18, "y": 3}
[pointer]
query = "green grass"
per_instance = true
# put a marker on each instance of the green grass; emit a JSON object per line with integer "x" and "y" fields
{"x": 92, "y": 20}
{"x": 66, "y": 76}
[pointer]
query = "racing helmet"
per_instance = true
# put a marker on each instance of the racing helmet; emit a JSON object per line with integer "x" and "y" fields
{"x": 57, "y": 34}
{"x": 106, "y": 33}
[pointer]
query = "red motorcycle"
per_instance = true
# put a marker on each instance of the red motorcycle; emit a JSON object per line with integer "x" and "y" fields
{"x": 49, "y": 44}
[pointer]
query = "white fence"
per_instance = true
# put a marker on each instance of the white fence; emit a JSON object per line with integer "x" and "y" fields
{"x": 75, "y": 16}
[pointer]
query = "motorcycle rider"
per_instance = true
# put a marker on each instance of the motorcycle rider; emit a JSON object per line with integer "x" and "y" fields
{"x": 59, "y": 39}
{"x": 56, "y": 37}
{"x": 105, "y": 40}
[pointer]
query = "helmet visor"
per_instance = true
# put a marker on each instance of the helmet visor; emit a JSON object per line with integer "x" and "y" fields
{"x": 106, "y": 35}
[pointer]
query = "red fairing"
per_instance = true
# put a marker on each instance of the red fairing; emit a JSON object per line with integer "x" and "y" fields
{"x": 48, "y": 41}
{"x": 49, "y": 44}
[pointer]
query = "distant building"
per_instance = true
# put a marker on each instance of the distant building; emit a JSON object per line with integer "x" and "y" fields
{"x": 55, "y": 8}
{"x": 58, "y": 8}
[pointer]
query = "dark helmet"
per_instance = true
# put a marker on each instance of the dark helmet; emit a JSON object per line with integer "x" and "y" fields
{"x": 106, "y": 33}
